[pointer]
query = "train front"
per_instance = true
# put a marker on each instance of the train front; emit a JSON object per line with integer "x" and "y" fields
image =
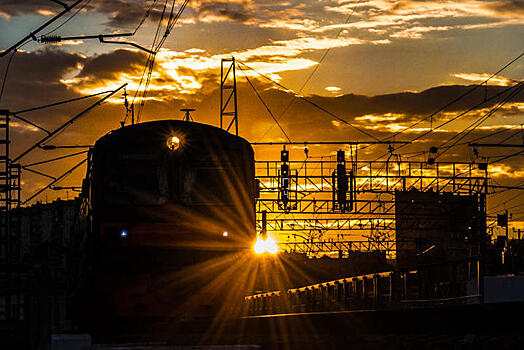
{"x": 172, "y": 222}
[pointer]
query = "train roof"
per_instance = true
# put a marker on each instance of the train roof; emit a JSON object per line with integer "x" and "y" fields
{"x": 165, "y": 128}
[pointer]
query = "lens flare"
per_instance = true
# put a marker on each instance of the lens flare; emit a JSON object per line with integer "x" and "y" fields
{"x": 268, "y": 245}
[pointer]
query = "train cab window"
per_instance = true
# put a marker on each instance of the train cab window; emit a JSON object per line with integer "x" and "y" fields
{"x": 138, "y": 179}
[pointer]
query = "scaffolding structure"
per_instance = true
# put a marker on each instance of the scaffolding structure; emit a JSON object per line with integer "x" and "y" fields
{"x": 9, "y": 197}
{"x": 338, "y": 204}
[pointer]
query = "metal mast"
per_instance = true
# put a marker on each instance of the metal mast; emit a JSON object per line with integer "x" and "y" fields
{"x": 228, "y": 95}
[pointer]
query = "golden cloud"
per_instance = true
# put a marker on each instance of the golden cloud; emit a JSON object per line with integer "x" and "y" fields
{"x": 479, "y": 78}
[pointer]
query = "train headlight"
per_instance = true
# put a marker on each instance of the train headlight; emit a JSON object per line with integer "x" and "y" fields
{"x": 173, "y": 143}
{"x": 267, "y": 245}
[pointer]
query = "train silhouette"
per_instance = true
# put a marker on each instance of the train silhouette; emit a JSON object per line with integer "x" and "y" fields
{"x": 167, "y": 216}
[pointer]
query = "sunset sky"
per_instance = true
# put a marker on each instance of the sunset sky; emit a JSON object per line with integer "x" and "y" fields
{"x": 379, "y": 65}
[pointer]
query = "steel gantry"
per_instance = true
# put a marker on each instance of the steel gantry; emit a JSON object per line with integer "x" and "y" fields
{"x": 338, "y": 204}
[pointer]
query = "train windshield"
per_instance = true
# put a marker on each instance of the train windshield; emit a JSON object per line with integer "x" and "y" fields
{"x": 150, "y": 179}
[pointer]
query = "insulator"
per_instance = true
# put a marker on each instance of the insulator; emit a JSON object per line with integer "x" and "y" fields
{"x": 47, "y": 39}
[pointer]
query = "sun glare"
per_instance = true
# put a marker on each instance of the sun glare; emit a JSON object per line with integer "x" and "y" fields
{"x": 268, "y": 245}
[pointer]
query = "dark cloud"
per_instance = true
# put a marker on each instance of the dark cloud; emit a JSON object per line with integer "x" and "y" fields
{"x": 506, "y": 8}
{"x": 110, "y": 65}
{"x": 416, "y": 103}
{"x": 34, "y": 77}
{"x": 14, "y": 7}
{"x": 122, "y": 14}
{"x": 236, "y": 12}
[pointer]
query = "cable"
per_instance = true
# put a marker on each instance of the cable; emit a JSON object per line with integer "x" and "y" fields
{"x": 56, "y": 180}
{"x": 67, "y": 20}
{"x": 312, "y": 103}
{"x": 512, "y": 207}
{"x": 480, "y": 120}
{"x": 456, "y": 117}
{"x": 265, "y": 105}
{"x": 459, "y": 97}
{"x": 291, "y": 101}
{"x": 510, "y": 136}
{"x": 5, "y": 74}
{"x": 507, "y": 200}
{"x": 155, "y": 47}
{"x": 507, "y": 157}
{"x": 145, "y": 16}
{"x": 149, "y": 62}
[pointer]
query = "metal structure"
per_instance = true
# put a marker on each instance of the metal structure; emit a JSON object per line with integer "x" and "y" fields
{"x": 9, "y": 196}
{"x": 228, "y": 95}
{"x": 338, "y": 204}
{"x": 391, "y": 290}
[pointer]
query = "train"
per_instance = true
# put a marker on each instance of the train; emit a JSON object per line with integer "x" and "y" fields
{"x": 165, "y": 226}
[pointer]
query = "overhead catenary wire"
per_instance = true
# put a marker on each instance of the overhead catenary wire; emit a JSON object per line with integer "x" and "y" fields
{"x": 69, "y": 122}
{"x": 155, "y": 47}
{"x": 68, "y": 19}
{"x": 54, "y": 159}
{"x": 322, "y": 58}
{"x": 461, "y": 135}
{"x": 32, "y": 35}
{"x": 145, "y": 16}
{"x": 56, "y": 180}
{"x": 455, "y": 100}
{"x": 507, "y": 157}
{"x": 312, "y": 103}
{"x": 265, "y": 105}
{"x": 61, "y": 102}
{"x": 4, "y": 80}
{"x": 474, "y": 107}
{"x": 507, "y": 200}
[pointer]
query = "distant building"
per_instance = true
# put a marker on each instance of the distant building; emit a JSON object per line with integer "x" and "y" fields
{"x": 435, "y": 227}
{"x": 33, "y": 294}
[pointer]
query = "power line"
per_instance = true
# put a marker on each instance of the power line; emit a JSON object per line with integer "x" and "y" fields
{"x": 507, "y": 157}
{"x": 32, "y": 35}
{"x": 5, "y": 74}
{"x": 69, "y": 122}
{"x": 60, "y": 102}
{"x": 145, "y": 16}
{"x": 508, "y": 200}
{"x": 322, "y": 58}
{"x": 69, "y": 19}
{"x": 458, "y": 116}
{"x": 265, "y": 105}
{"x": 478, "y": 122}
{"x": 155, "y": 47}
{"x": 56, "y": 180}
{"x": 459, "y": 97}
{"x": 312, "y": 103}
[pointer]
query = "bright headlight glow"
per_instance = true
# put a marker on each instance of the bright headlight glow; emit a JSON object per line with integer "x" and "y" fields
{"x": 268, "y": 245}
{"x": 173, "y": 143}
